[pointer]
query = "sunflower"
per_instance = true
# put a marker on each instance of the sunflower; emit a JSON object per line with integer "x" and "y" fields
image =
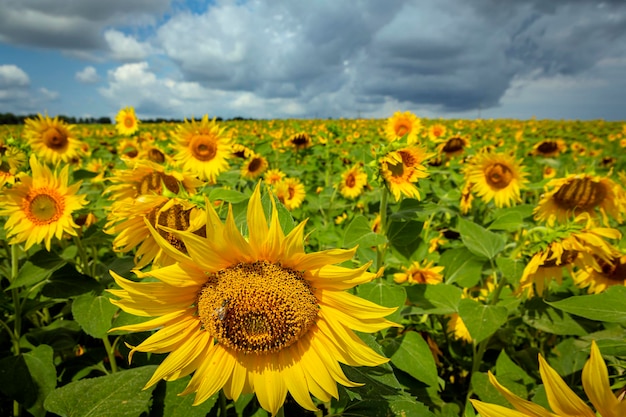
{"x": 149, "y": 178}
{"x": 466, "y": 198}
{"x": 11, "y": 160}
{"x": 402, "y": 168}
{"x": 497, "y": 177}
{"x": 436, "y": 132}
{"x": 254, "y": 166}
{"x": 126, "y": 123}
{"x": 51, "y": 139}
{"x": 582, "y": 246}
{"x": 611, "y": 272}
{"x": 563, "y": 401}
{"x": 453, "y": 147}
{"x": 299, "y": 141}
{"x": 290, "y": 192}
{"x": 272, "y": 176}
{"x": 203, "y": 148}
{"x": 128, "y": 222}
{"x": 40, "y": 206}
{"x": 403, "y": 124}
{"x": 418, "y": 274}
{"x": 255, "y": 315}
{"x": 456, "y": 327}
{"x": 353, "y": 182}
{"x": 581, "y": 193}
{"x": 549, "y": 148}
{"x": 241, "y": 151}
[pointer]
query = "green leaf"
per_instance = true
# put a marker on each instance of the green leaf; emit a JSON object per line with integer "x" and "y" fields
{"x": 67, "y": 282}
{"x": 182, "y": 405}
{"x": 40, "y": 363}
{"x": 508, "y": 221}
{"x": 462, "y": 267}
{"x": 404, "y": 236}
{"x": 434, "y": 299}
{"x": 608, "y": 306}
{"x": 386, "y": 295}
{"x": 481, "y": 320}
{"x": 40, "y": 266}
{"x": 229, "y": 196}
{"x": 512, "y": 376}
{"x": 116, "y": 395}
{"x": 511, "y": 269}
{"x": 485, "y": 391}
{"x": 94, "y": 314}
{"x": 16, "y": 381}
{"x": 479, "y": 240}
{"x": 359, "y": 231}
{"x": 412, "y": 355}
{"x": 543, "y": 317}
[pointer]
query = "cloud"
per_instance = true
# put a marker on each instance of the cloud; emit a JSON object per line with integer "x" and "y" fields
{"x": 12, "y": 76}
{"x": 72, "y": 24}
{"x": 16, "y": 95}
{"x": 416, "y": 53}
{"x": 126, "y": 48}
{"x": 88, "y": 75}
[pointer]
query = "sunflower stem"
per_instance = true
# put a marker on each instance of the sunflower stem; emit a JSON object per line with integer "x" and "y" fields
{"x": 84, "y": 258}
{"x": 281, "y": 412}
{"x": 110, "y": 353}
{"x": 17, "y": 323}
{"x": 381, "y": 249}
{"x": 223, "y": 409}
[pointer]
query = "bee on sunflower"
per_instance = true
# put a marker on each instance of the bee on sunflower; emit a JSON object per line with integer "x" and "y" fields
{"x": 254, "y": 315}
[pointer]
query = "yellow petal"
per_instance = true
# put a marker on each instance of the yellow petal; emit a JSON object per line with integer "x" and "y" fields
{"x": 270, "y": 387}
{"x": 257, "y": 223}
{"x": 493, "y": 410}
{"x": 317, "y": 260}
{"x": 526, "y": 407}
{"x": 596, "y": 383}
{"x": 562, "y": 399}
{"x": 295, "y": 381}
{"x": 357, "y": 307}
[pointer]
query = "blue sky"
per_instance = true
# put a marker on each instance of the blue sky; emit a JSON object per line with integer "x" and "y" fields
{"x": 557, "y": 59}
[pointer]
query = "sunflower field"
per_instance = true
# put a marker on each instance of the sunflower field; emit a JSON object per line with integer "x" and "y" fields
{"x": 368, "y": 267}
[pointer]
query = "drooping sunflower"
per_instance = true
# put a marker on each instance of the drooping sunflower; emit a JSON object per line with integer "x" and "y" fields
{"x": 290, "y": 192}
{"x": 299, "y": 141}
{"x": 403, "y": 124}
{"x": 203, "y": 148}
{"x": 582, "y": 245}
{"x": 353, "y": 182}
{"x": 402, "y": 168}
{"x": 40, "y": 206}
{"x": 256, "y": 315}
{"x": 549, "y": 148}
{"x": 417, "y": 273}
{"x": 241, "y": 151}
{"x": 254, "y": 166}
{"x": 128, "y": 222}
{"x": 52, "y": 140}
{"x": 126, "y": 122}
{"x": 581, "y": 193}
{"x": 147, "y": 177}
{"x": 611, "y": 272}
{"x": 497, "y": 177}
{"x": 563, "y": 401}
{"x": 454, "y": 146}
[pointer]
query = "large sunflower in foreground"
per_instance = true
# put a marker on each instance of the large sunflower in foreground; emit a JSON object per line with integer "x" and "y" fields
{"x": 40, "y": 207}
{"x": 563, "y": 401}
{"x": 581, "y": 193}
{"x": 402, "y": 168}
{"x": 256, "y": 315}
{"x": 126, "y": 122}
{"x": 497, "y": 177}
{"x": 51, "y": 139}
{"x": 203, "y": 148}
{"x": 403, "y": 124}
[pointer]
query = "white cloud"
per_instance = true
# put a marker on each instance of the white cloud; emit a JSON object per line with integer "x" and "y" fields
{"x": 88, "y": 75}
{"x": 126, "y": 48}
{"x": 12, "y": 76}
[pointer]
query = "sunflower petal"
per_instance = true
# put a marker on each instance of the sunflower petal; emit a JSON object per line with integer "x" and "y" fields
{"x": 561, "y": 398}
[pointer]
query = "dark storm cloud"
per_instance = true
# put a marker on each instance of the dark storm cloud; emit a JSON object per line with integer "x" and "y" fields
{"x": 70, "y": 24}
